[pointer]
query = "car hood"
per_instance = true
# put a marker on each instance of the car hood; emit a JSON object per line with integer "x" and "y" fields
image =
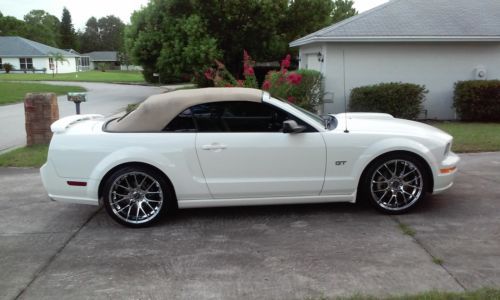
{"x": 387, "y": 124}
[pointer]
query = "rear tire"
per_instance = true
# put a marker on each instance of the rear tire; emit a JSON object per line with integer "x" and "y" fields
{"x": 137, "y": 196}
{"x": 394, "y": 183}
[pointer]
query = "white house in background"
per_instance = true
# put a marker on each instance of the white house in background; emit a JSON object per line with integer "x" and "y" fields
{"x": 109, "y": 60}
{"x": 30, "y": 56}
{"x": 435, "y": 43}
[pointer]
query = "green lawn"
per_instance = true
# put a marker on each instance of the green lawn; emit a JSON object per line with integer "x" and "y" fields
{"x": 34, "y": 156}
{"x": 12, "y": 92}
{"x": 472, "y": 137}
{"x": 89, "y": 76}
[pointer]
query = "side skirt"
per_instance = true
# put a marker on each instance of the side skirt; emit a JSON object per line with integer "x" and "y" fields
{"x": 266, "y": 201}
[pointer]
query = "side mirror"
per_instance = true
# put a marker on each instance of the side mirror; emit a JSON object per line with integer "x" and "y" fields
{"x": 290, "y": 126}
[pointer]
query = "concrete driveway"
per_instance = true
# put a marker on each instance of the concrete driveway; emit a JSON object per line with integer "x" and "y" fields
{"x": 102, "y": 98}
{"x": 52, "y": 250}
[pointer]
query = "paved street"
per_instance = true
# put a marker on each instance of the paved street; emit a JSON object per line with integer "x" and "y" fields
{"x": 52, "y": 250}
{"x": 102, "y": 98}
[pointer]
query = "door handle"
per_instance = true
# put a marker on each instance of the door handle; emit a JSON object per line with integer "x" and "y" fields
{"x": 214, "y": 146}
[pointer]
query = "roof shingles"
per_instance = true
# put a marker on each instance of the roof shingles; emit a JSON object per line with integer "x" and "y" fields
{"x": 15, "y": 46}
{"x": 416, "y": 18}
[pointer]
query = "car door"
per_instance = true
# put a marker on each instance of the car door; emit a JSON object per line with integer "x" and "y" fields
{"x": 243, "y": 152}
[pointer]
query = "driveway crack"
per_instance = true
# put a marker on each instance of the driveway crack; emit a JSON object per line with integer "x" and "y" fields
{"x": 428, "y": 251}
{"x": 45, "y": 266}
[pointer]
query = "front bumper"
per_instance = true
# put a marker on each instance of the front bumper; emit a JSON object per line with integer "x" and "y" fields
{"x": 444, "y": 180}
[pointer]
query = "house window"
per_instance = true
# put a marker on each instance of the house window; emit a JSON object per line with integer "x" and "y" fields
{"x": 51, "y": 63}
{"x": 26, "y": 63}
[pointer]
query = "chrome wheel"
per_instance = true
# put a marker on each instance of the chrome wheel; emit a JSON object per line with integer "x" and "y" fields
{"x": 396, "y": 185}
{"x": 135, "y": 197}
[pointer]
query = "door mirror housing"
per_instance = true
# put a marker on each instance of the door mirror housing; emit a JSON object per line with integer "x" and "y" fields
{"x": 291, "y": 126}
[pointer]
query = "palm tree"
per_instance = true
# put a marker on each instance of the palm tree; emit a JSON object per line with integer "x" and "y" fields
{"x": 57, "y": 57}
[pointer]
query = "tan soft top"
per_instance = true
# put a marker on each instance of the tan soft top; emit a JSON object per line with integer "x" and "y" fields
{"x": 158, "y": 110}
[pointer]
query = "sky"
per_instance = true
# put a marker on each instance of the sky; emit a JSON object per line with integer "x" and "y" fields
{"x": 82, "y": 10}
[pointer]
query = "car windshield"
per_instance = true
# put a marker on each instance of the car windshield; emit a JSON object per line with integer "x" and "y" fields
{"x": 328, "y": 122}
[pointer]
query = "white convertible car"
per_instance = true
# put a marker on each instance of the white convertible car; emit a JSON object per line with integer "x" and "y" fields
{"x": 237, "y": 146}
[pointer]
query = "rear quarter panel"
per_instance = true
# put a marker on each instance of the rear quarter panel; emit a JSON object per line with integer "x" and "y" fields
{"x": 92, "y": 155}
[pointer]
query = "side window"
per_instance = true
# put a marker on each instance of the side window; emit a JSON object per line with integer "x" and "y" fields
{"x": 232, "y": 116}
{"x": 252, "y": 117}
{"x": 207, "y": 117}
{"x": 182, "y": 123}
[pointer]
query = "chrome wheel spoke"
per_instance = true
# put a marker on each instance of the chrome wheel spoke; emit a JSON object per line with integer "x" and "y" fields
{"x": 396, "y": 184}
{"x": 120, "y": 200}
{"x": 143, "y": 204}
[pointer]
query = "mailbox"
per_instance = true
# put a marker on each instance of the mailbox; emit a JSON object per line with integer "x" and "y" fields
{"x": 77, "y": 98}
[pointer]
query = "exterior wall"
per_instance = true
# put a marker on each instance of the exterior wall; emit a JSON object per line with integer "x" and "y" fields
{"x": 12, "y": 61}
{"x": 308, "y": 59}
{"x": 67, "y": 66}
{"x": 43, "y": 62}
{"x": 436, "y": 65}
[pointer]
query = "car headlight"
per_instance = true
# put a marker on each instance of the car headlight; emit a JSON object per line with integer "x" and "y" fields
{"x": 447, "y": 149}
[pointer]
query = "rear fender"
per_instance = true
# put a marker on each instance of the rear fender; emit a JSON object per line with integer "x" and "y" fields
{"x": 127, "y": 155}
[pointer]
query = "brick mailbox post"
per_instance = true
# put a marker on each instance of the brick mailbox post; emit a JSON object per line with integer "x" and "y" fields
{"x": 40, "y": 110}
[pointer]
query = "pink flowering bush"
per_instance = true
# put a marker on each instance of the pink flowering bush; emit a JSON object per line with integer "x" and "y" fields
{"x": 221, "y": 77}
{"x": 301, "y": 87}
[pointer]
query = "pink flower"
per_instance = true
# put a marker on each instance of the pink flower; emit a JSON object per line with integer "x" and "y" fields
{"x": 248, "y": 71}
{"x": 285, "y": 64}
{"x": 246, "y": 57}
{"x": 294, "y": 78}
{"x": 228, "y": 85}
{"x": 209, "y": 74}
{"x": 266, "y": 85}
{"x": 291, "y": 99}
{"x": 241, "y": 83}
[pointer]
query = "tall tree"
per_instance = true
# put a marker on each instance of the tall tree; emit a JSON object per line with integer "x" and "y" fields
{"x": 67, "y": 31}
{"x": 42, "y": 27}
{"x": 264, "y": 28}
{"x": 111, "y": 31}
{"x": 252, "y": 25}
{"x": 105, "y": 34}
{"x": 168, "y": 37}
{"x": 343, "y": 9}
{"x": 306, "y": 16}
{"x": 90, "y": 40}
{"x": 10, "y": 26}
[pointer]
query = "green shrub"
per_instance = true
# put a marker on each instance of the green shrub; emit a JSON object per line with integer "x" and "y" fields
{"x": 477, "y": 100}
{"x": 402, "y": 100}
{"x": 7, "y": 67}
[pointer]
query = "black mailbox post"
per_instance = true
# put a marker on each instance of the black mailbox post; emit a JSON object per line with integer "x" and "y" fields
{"x": 77, "y": 98}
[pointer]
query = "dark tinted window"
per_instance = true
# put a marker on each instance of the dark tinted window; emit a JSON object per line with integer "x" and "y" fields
{"x": 208, "y": 117}
{"x": 241, "y": 116}
{"x": 234, "y": 116}
{"x": 182, "y": 123}
{"x": 252, "y": 117}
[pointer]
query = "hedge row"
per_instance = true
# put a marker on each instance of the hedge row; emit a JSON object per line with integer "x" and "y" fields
{"x": 402, "y": 100}
{"x": 477, "y": 100}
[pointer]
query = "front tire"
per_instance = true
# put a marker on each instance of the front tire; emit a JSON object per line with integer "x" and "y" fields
{"x": 137, "y": 196}
{"x": 394, "y": 183}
